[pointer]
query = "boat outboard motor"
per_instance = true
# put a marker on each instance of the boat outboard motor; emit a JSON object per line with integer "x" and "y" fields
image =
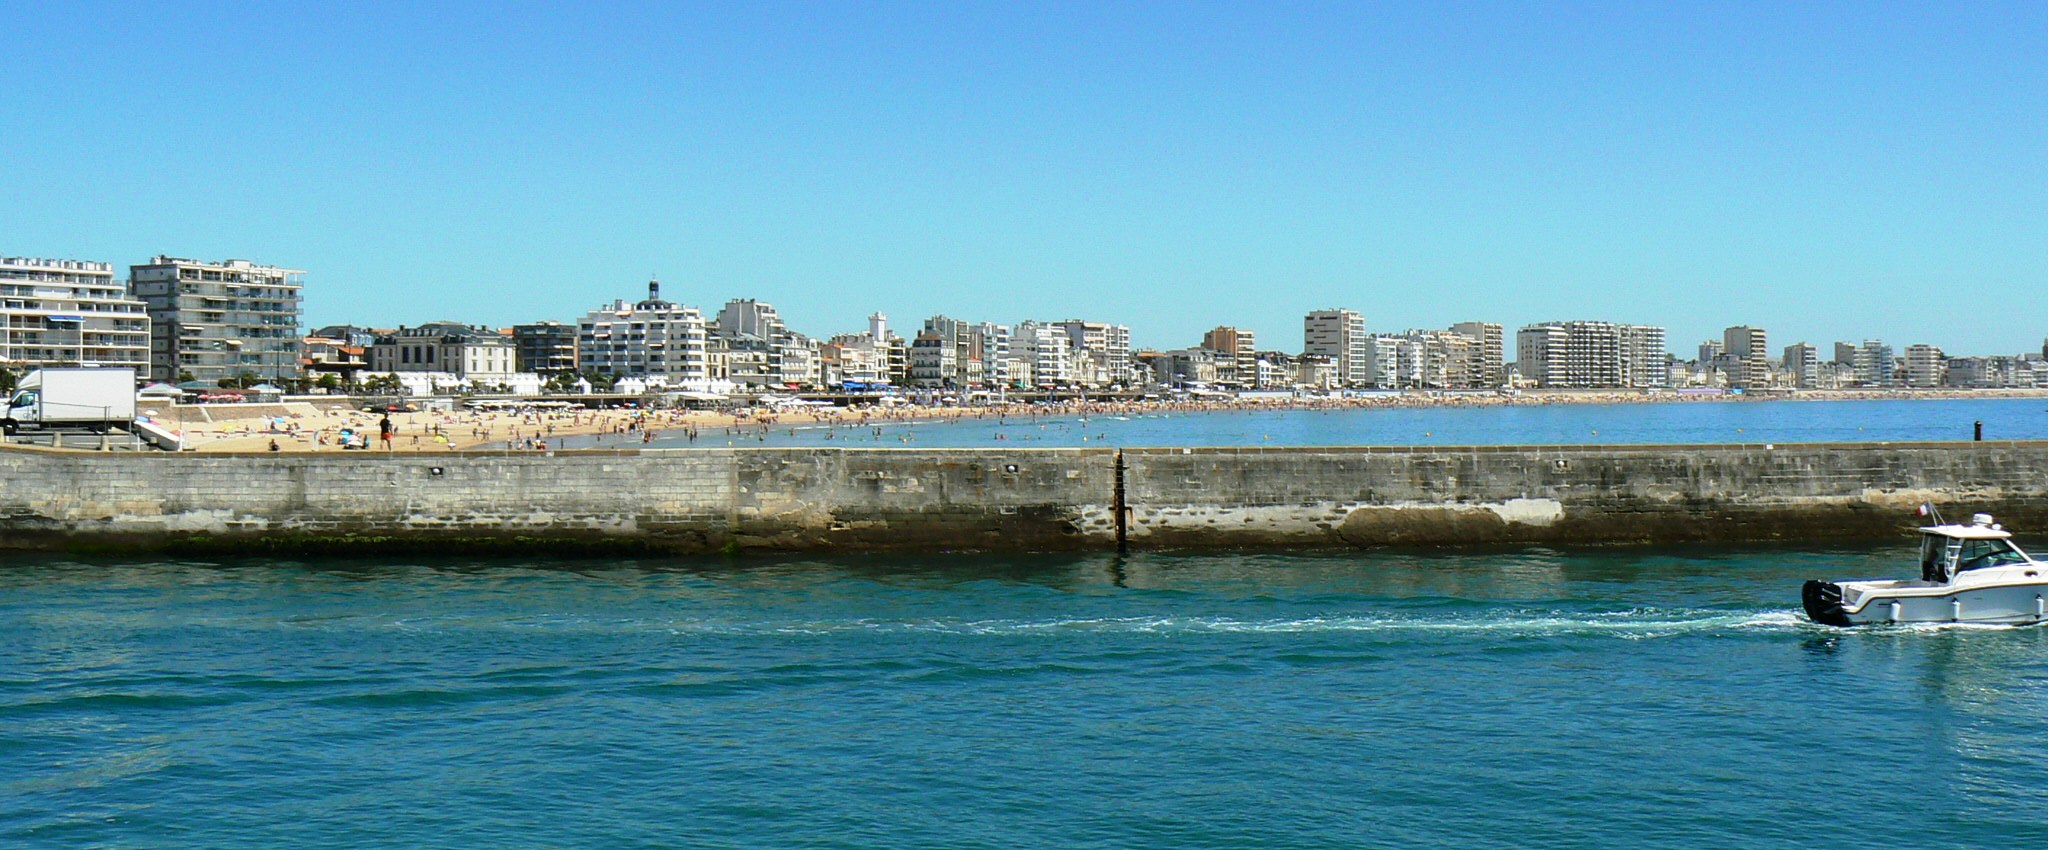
{"x": 1823, "y": 603}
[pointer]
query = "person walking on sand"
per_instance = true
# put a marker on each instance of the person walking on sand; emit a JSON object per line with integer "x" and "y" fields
{"x": 384, "y": 432}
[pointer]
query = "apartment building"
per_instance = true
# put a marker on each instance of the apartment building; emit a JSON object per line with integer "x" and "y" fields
{"x": 1100, "y": 352}
{"x": 1489, "y": 362}
{"x": 977, "y": 354}
{"x": 1926, "y": 366}
{"x": 1745, "y": 359}
{"x": 1593, "y": 355}
{"x": 651, "y": 338}
{"x": 1872, "y": 362}
{"x": 1338, "y": 335}
{"x": 1384, "y": 362}
{"x": 215, "y": 320}
{"x": 69, "y": 312}
{"x": 1802, "y": 365}
{"x": 544, "y": 348}
{"x": 1041, "y": 354}
{"x": 1237, "y": 357}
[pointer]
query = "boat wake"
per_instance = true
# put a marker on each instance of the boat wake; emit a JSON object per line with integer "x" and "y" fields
{"x": 1636, "y": 624}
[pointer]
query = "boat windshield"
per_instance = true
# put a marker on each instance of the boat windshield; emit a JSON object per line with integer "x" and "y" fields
{"x": 1978, "y": 554}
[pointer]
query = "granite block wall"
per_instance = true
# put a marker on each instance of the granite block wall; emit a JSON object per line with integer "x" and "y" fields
{"x": 1014, "y": 499}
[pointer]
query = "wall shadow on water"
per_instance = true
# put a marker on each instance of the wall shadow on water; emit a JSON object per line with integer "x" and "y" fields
{"x": 1605, "y": 575}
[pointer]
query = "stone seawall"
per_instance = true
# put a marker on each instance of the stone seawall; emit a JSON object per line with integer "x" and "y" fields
{"x": 687, "y": 500}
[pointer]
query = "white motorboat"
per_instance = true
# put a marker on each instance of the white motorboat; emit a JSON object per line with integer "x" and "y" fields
{"x": 1968, "y": 574}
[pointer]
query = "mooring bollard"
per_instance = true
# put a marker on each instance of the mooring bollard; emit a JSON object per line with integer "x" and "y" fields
{"x": 1980, "y": 431}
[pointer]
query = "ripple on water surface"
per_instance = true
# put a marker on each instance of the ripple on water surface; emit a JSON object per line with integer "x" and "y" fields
{"x": 1521, "y": 698}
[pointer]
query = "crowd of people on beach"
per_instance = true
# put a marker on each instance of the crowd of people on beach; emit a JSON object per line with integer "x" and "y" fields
{"x": 335, "y": 427}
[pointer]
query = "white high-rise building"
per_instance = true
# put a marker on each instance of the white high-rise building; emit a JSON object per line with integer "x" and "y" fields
{"x": 1340, "y": 336}
{"x": 1382, "y": 364}
{"x": 651, "y": 338}
{"x": 1648, "y": 362}
{"x": 1593, "y": 355}
{"x": 1045, "y": 350}
{"x": 1540, "y": 354}
{"x": 69, "y": 312}
{"x": 1873, "y": 364}
{"x": 1925, "y": 366}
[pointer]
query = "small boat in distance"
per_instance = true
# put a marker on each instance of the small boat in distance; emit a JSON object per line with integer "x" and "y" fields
{"x": 1968, "y": 574}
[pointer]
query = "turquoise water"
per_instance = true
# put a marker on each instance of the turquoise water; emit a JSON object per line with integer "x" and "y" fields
{"x": 1511, "y": 699}
{"x": 1557, "y": 424}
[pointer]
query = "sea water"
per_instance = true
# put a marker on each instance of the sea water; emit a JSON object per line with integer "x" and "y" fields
{"x": 1671, "y": 421}
{"x": 1643, "y": 698}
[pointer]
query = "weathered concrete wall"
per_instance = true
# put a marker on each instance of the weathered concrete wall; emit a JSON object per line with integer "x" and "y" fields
{"x": 825, "y": 499}
{"x": 1370, "y": 496}
{"x": 685, "y": 500}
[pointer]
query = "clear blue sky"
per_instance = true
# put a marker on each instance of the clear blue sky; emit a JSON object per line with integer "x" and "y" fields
{"x": 1827, "y": 171}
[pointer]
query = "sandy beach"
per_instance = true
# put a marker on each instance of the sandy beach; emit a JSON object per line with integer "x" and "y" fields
{"x": 315, "y": 426}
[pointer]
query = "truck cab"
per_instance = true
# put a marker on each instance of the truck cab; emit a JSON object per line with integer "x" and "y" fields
{"x": 25, "y": 406}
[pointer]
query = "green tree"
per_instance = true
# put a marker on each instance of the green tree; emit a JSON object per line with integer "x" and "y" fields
{"x": 8, "y": 380}
{"x": 328, "y": 382}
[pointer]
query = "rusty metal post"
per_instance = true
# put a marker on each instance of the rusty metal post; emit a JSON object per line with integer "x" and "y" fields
{"x": 1120, "y": 508}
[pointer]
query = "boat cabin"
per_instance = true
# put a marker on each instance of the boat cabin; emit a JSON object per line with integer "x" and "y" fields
{"x": 1948, "y": 550}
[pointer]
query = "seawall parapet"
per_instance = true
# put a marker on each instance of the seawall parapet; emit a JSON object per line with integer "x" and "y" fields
{"x": 813, "y": 499}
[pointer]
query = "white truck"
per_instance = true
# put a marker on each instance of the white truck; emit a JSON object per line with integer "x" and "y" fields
{"x": 92, "y": 399}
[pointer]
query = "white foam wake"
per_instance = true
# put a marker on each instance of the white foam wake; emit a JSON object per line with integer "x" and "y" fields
{"x": 1634, "y": 624}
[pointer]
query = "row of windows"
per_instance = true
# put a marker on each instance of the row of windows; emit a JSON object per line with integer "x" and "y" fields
{"x": 71, "y": 306}
{"x": 56, "y": 277}
{"x": 73, "y": 355}
{"x": 235, "y": 277}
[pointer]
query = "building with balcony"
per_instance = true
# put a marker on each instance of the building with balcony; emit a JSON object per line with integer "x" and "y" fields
{"x": 1338, "y": 335}
{"x": 1100, "y": 352}
{"x": 1926, "y": 366}
{"x": 1873, "y": 363}
{"x": 69, "y": 312}
{"x": 1237, "y": 356}
{"x": 652, "y": 339}
{"x": 1745, "y": 356}
{"x": 1041, "y": 355}
{"x": 1593, "y": 355}
{"x": 544, "y": 348}
{"x": 1802, "y": 365}
{"x": 1489, "y": 363}
{"x": 217, "y": 320}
